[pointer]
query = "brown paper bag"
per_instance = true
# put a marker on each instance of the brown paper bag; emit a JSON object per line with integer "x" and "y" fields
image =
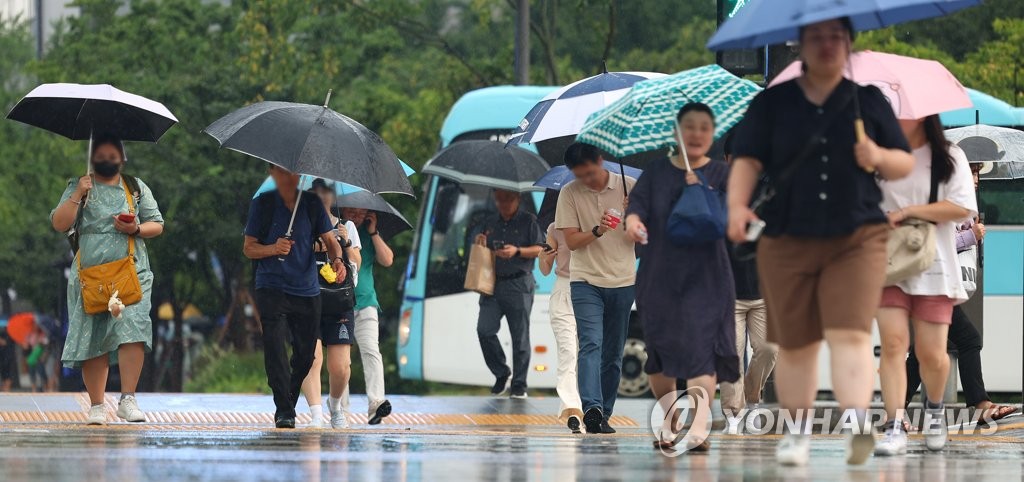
{"x": 480, "y": 270}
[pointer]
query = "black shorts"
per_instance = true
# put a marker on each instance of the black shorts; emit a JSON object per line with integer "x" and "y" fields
{"x": 338, "y": 330}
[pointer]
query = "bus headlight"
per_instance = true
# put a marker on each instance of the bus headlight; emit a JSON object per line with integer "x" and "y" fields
{"x": 404, "y": 327}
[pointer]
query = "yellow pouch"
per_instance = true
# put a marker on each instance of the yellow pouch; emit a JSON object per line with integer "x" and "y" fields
{"x": 328, "y": 273}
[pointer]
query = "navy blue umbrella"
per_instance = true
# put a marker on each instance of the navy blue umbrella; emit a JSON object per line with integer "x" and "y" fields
{"x": 765, "y": 22}
{"x": 563, "y": 112}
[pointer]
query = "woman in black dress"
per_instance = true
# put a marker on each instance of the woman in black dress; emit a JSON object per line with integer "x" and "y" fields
{"x": 685, "y": 294}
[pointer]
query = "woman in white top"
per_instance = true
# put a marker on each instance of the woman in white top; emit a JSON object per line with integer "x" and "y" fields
{"x": 925, "y": 300}
{"x": 563, "y": 323}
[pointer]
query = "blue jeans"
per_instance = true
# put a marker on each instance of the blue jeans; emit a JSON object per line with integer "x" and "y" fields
{"x": 602, "y": 323}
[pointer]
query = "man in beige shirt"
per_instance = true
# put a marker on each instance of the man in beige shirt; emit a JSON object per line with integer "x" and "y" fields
{"x": 602, "y": 277}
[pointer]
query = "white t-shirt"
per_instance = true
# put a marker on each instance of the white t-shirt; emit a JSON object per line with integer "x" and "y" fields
{"x": 943, "y": 278}
{"x": 353, "y": 235}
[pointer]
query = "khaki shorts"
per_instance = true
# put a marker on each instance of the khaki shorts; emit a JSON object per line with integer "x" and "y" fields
{"x": 812, "y": 284}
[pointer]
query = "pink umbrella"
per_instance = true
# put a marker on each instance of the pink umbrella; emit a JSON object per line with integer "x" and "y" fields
{"x": 915, "y": 88}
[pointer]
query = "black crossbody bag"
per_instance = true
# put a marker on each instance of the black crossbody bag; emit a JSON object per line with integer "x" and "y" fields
{"x": 767, "y": 190}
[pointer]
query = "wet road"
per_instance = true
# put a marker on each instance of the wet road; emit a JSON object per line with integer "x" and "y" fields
{"x": 426, "y": 452}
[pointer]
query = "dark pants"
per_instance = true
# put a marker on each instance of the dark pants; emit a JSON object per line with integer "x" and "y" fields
{"x": 967, "y": 341}
{"x": 513, "y": 300}
{"x": 282, "y": 315}
{"x": 602, "y": 323}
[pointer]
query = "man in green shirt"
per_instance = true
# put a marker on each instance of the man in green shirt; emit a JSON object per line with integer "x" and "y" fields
{"x": 367, "y": 310}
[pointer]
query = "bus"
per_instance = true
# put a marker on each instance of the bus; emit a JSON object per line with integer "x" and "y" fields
{"x": 437, "y": 338}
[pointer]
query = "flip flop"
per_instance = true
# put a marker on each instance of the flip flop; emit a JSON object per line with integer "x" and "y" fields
{"x": 999, "y": 412}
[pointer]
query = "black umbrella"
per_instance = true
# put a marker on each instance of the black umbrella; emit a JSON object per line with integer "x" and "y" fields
{"x": 76, "y": 111}
{"x": 390, "y": 222}
{"x": 313, "y": 140}
{"x": 490, "y": 164}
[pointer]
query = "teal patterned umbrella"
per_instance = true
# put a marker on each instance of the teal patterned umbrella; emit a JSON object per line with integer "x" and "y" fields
{"x": 643, "y": 120}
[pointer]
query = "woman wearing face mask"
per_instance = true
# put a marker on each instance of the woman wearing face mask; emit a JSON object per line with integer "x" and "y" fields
{"x": 822, "y": 259}
{"x": 685, "y": 294}
{"x": 95, "y": 342}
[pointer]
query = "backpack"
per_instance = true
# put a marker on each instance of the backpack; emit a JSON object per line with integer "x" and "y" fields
{"x": 73, "y": 234}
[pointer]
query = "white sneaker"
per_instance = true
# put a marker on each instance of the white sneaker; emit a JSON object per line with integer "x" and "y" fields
{"x": 859, "y": 447}
{"x": 97, "y": 415}
{"x": 338, "y": 420}
{"x": 316, "y": 416}
{"x": 894, "y": 442}
{"x": 934, "y": 429}
{"x": 793, "y": 450}
{"x": 128, "y": 409}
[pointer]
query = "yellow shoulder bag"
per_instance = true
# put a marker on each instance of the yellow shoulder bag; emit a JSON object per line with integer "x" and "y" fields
{"x": 100, "y": 282}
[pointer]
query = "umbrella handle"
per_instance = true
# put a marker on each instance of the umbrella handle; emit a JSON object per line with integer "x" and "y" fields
{"x": 288, "y": 234}
{"x": 679, "y": 144}
{"x": 858, "y": 126}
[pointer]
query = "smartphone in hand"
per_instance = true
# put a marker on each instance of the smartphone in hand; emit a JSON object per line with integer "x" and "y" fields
{"x": 547, "y": 247}
{"x": 126, "y": 218}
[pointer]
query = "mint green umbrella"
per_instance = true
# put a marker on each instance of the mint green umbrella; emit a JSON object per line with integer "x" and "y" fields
{"x": 644, "y": 119}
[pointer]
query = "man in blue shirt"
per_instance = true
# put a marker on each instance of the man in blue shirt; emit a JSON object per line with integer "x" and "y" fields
{"x": 287, "y": 289}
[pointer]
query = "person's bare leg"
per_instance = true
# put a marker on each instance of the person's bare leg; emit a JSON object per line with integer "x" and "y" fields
{"x": 700, "y": 428}
{"x": 796, "y": 377}
{"x": 894, "y": 330}
{"x": 130, "y": 358}
{"x": 853, "y": 367}
{"x": 930, "y": 347}
{"x": 339, "y": 367}
{"x": 94, "y": 374}
{"x": 661, "y": 386}
{"x": 311, "y": 387}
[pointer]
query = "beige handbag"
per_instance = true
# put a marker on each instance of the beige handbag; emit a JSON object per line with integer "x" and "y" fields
{"x": 480, "y": 276}
{"x": 911, "y": 250}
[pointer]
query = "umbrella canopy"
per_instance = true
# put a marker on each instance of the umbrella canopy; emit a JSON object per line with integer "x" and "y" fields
{"x": 559, "y": 176}
{"x": 306, "y": 182}
{"x": 490, "y": 164}
{"x": 390, "y": 221}
{"x": 984, "y": 143}
{"x": 645, "y": 118}
{"x": 19, "y": 326}
{"x": 76, "y": 111}
{"x": 313, "y": 140}
{"x": 1001, "y": 150}
{"x": 563, "y": 112}
{"x": 765, "y": 22}
{"x": 915, "y": 88}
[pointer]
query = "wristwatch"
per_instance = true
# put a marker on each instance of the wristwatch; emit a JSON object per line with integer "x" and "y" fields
{"x": 375, "y": 233}
{"x": 595, "y": 232}
{"x": 348, "y": 243}
{"x": 519, "y": 252}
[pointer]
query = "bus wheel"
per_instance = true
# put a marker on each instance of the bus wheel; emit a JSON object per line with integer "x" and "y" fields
{"x": 634, "y": 382}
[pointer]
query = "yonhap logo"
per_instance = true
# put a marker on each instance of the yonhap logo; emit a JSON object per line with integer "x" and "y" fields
{"x": 669, "y": 421}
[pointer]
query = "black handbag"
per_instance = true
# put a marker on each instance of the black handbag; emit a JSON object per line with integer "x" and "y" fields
{"x": 336, "y": 299}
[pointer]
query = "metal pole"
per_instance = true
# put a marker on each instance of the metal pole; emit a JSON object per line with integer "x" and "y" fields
{"x": 523, "y": 43}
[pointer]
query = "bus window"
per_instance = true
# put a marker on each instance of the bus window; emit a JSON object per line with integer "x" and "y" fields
{"x": 1002, "y": 202}
{"x": 459, "y": 211}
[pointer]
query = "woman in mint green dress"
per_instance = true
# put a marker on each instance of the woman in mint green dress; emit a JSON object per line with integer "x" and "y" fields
{"x": 95, "y": 342}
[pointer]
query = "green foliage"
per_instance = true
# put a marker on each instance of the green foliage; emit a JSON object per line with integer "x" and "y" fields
{"x": 219, "y": 371}
{"x": 397, "y": 66}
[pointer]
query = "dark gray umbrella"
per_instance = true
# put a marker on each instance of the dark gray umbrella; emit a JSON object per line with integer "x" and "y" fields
{"x": 390, "y": 221}
{"x": 490, "y": 164}
{"x": 313, "y": 140}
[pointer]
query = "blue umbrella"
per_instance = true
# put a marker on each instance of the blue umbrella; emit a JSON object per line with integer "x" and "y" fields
{"x": 766, "y": 22}
{"x": 559, "y": 176}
